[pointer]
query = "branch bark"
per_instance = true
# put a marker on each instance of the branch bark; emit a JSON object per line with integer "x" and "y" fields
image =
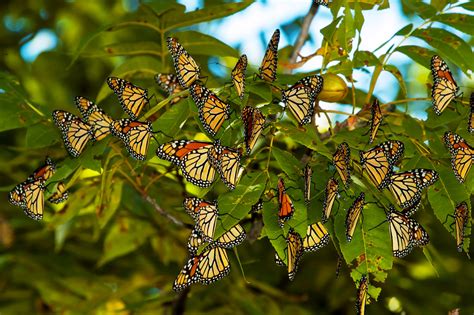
{"x": 303, "y": 35}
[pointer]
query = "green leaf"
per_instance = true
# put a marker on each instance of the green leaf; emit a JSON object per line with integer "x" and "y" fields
{"x": 467, "y": 5}
{"x": 405, "y": 30}
{"x": 124, "y": 237}
{"x": 288, "y": 163}
{"x": 419, "y": 54}
{"x": 110, "y": 201}
{"x": 423, "y": 10}
{"x": 462, "y": 22}
{"x": 370, "y": 251}
{"x": 398, "y": 75}
{"x": 235, "y": 204}
{"x": 131, "y": 49}
{"x": 364, "y": 58}
{"x": 306, "y": 136}
{"x": 174, "y": 19}
{"x": 16, "y": 111}
{"x": 41, "y": 135}
{"x": 261, "y": 89}
{"x": 358, "y": 17}
{"x": 197, "y": 43}
{"x": 172, "y": 120}
{"x": 450, "y": 46}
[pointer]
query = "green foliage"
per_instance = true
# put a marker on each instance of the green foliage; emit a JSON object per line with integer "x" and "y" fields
{"x": 111, "y": 249}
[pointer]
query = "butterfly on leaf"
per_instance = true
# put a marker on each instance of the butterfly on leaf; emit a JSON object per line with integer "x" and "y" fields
{"x": 405, "y": 233}
{"x": 187, "y": 70}
{"x": 211, "y": 265}
{"x": 193, "y": 158}
{"x": 444, "y": 88}
{"x": 29, "y": 195}
{"x": 268, "y": 67}
{"x": 341, "y": 160}
{"x": 407, "y": 187}
{"x": 462, "y": 155}
{"x": 212, "y": 110}
{"x": 253, "y": 126}
{"x": 231, "y": 238}
{"x": 238, "y": 75}
{"x": 470, "y": 123}
{"x": 94, "y": 116}
{"x": 307, "y": 173}
{"x": 205, "y": 214}
{"x": 60, "y": 195}
{"x": 135, "y": 135}
{"x": 226, "y": 161}
{"x": 132, "y": 98}
{"x": 353, "y": 215}
{"x": 362, "y": 292}
{"x": 316, "y": 237}
{"x": 169, "y": 82}
{"x": 378, "y": 162}
{"x": 375, "y": 120}
{"x": 461, "y": 219}
{"x": 330, "y": 194}
{"x": 285, "y": 205}
{"x": 75, "y": 132}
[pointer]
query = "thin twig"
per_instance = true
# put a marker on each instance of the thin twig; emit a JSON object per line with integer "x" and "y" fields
{"x": 161, "y": 211}
{"x": 303, "y": 35}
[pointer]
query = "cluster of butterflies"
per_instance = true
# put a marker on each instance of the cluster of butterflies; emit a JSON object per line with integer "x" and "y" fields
{"x": 29, "y": 194}
{"x": 212, "y": 263}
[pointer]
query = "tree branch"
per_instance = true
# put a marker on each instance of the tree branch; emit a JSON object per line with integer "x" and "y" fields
{"x": 161, "y": 211}
{"x": 303, "y": 35}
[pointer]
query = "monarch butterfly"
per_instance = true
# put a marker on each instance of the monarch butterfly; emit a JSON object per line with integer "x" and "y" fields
{"x": 231, "y": 238}
{"x": 307, "y": 172}
{"x": 29, "y": 195}
{"x": 331, "y": 193}
{"x": 227, "y": 162}
{"x": 299, "y": 100}
{"x": 341, "y": 160}
{"x": 212, "y": 110}
{"x": 238, "y": 75}
{"x": 407, "y": 187}
{"x": 95, "y": 117}
{"x": 60, "y": 195}
{"x": 169, "y": 82}
{"x": 186, "y": 68}
{"x": 461, "y": 218}
{"x": 314, "y": 82}
{"x": 74, "y": 131}
{"x": 43, "y": 172}
{"x": 361, "y": 298}
{"x": 40, "y": 175}
{"x": 135, "y": 135}
{"x": 269, "y": 64}
{"x": 470, "y": 123}
{"x": 444, "y": 88}
{"x": 405, "y": 233}
{"x": 131, "y": 97}
{"x": 253, "y": 125}
{"x": 285, "y": 205}
{"x": 211, "y": 265}
{"x": 316, "y": 237}
{"x": 462, "y": 155}
{"x": 294, "y": 252}
{"x": 379, "y": 161}
{"x": 193, "y": 159}
{"x": 205, "y": 214}
{"x": 353, "y": 215}
{"x": 376, "y": 119}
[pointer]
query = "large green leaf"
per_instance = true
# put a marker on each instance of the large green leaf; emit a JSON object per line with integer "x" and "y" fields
{"x": 462, "y": 22}
{"x": 236, "y": 204}
{"x": 449, "y": 45}
{"x": 419, "y": 54}
{"x": 197, "y": 43}
{"x": 288, "y": 163}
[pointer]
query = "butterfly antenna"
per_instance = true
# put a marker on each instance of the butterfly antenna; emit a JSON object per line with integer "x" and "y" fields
{"x": 377, "y": 225}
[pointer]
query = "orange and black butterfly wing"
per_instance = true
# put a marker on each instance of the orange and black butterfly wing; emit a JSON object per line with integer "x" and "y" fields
{"x": 376, "y": 120}
{"x": 299, "y": 100}
{"x": 253, "y": 125}
{"x": 401, "y": 233}
{"x": 470, "y": 123}
{"x": 341, "y": 160}
{"x": 228, "y": 166}
{"x": 331, "y": 193}
{"x": 362, "y": 292}
{"x": 132, "y": 98}
{"x": 462, "y": 155}
{"x": 461, "y": 218}
{"x": 186, "y": 68}
{"x": 135, "y": 135}
{"x": 238, "y": 76}
{"x": 269, "y": 64}
{"x": 286, "y": 208}
{"x": 444, "y": 88}
{"x": 353, "y": 215}
{"x": 60, "y": 195}
{"x": 95, "y": 117}
{"x": 75, "y": 132}
{"x": 212, "y": 110}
